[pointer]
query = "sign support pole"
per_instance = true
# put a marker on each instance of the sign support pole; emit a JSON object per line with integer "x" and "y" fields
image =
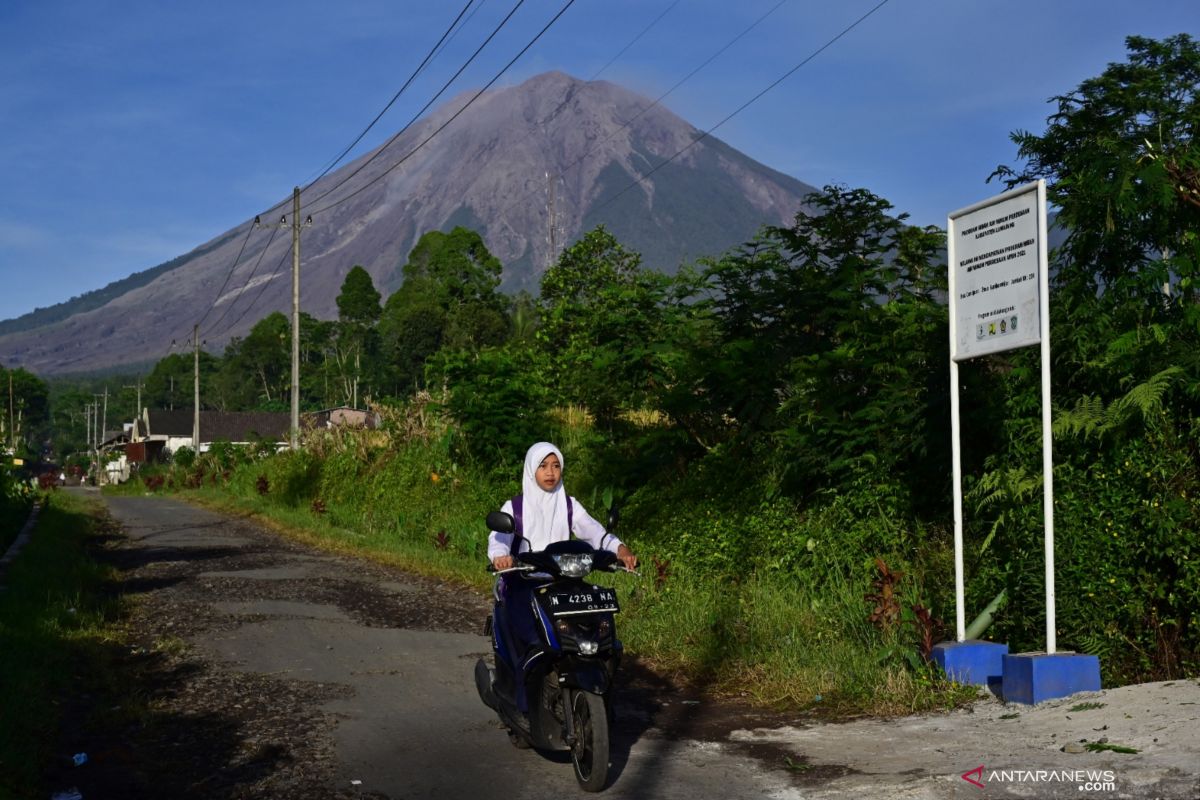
{"x": 960, "y": 600}
{"x": 1047, "y": 434}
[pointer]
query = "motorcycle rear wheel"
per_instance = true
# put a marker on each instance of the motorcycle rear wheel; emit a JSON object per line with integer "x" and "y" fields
{"x": 589, "y": 753}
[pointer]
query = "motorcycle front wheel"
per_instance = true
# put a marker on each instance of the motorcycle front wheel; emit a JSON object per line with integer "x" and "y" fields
{"x": 589, "y": 753}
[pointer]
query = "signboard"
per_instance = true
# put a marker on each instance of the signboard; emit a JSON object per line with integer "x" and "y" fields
{"x": 995, "y": 271}
{"x": 1000, "y": 300}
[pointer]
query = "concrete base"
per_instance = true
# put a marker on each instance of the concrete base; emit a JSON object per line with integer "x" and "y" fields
{"x": 972, "y": 662}
{"x": 1033, "y": 678}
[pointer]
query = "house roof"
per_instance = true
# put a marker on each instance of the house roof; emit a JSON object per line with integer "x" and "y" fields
{"x": 234, "y": 426}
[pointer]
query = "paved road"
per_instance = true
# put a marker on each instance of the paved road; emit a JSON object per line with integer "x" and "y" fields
{"x": 407, "y": 722}
{"x": 383, "y": 663}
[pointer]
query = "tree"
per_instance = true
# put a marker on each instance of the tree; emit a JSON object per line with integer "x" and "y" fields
{"x": 27, "y": 410}
{"x": 358, "y": 302}
{"x": 592, "y": 298}
{"x": 1121, "y": 159}
{"x": 169, "y": 384}
{"x": 449, "y": 299}
{"x": 456, "y": 266}
{"x": 257, "y": 369}
{"x": 829, "y": 339}
{"x": 355, "y": 337}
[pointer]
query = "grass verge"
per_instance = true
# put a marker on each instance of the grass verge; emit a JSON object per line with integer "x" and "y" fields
{"x": 766, "y": 638}
{"x": 56, "y": 628}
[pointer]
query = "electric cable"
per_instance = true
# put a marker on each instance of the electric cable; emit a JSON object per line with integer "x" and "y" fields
{"x": 705, "y": 134}
{"x": 446, "y": 35}
{"x": 453, "y": 117}
{"x": 213, "y": 331}
{"x": 658, "y": 100}
{"x": 424, "y": 108}
{"x": 249, "y": 229}
{"x": 428, "y": 57}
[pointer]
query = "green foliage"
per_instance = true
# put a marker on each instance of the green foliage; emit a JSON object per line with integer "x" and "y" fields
{"x": 610, "y": 331}
{"x": 358, "y": 302}
{"x": 184, "y": 457}
{"x": 56, "y": 637}
{"x": 499, "y": 409}
{"x": 28, "y": 413}
{"x": 829, "y": 339}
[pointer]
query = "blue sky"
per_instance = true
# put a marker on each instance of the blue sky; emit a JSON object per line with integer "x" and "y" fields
{"x": 133, "y": 130}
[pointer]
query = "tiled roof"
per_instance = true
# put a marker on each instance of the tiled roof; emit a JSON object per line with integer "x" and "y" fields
{"x": 233, "y": 426}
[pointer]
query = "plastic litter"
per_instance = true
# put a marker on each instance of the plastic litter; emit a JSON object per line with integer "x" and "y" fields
{"x": 80, "y": 759}
{"x": 69, "y": 794}
{"x": 356, "y": 783}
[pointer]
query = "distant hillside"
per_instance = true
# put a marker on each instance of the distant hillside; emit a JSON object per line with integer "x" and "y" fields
{"x": 552, "y": 154}
{"x": 97, "y": 298}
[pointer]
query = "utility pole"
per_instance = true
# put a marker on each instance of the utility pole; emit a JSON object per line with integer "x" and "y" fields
{"x": 104, "y": 417}
{"x": 295, "y": 226}
{"x": 137, "y": 411}
{"x": 295, "y": 317}
{"x": 12, "y": 431}
{"x": 196, "y": 389}
{"x": 552, "y": 220}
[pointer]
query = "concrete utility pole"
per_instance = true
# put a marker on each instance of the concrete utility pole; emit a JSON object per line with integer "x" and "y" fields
{"x": 12, "y": 431}
{"x": 552, "y": 219}
{"x": 137, "y": 411}
{"x": 104, "y": 417}
{"x": 295, "y": 316}
{"x": 196, "y": 389}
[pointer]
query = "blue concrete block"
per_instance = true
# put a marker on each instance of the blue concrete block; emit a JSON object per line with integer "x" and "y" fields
{"x": 1033, "y": 678}
{"x": 972, "y": 662}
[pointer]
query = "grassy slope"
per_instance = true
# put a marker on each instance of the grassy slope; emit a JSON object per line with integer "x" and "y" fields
{"x": 775, "y": 637}
{"x": 55, "y": 635}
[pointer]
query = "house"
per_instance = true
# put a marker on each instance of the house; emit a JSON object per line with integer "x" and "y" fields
{"x": 159, "y": 431}
{"x": 342, "y": 415}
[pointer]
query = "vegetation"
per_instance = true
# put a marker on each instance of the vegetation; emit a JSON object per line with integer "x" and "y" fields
{"x": 775, "y": 420}
{"x": 55, "y": 640}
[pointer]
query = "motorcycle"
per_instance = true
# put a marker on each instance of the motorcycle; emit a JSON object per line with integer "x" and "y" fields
{"x": 552, "y": 687}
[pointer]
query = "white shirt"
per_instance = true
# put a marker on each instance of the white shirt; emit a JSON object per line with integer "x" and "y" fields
{"x": 584, "y": 527}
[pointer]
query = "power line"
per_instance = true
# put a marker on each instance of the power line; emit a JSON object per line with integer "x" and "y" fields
{"x": 441, "y": 41}
{"x": 212, "y": 331}
{"x": 241, "y": 250}
{"x": 424, "y": 108}
{"x": 739, "y": 109}
{"x": 453, "y": 117}
{"x": 634, "y": 40}
{"x": 428, "y": 57}
{"x": 448, "y": 34}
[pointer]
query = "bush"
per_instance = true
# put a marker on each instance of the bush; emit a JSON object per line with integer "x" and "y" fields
{"x": 497, "y": 402}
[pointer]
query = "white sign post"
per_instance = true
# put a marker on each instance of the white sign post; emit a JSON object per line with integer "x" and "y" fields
{"x": 1000, "y": 300}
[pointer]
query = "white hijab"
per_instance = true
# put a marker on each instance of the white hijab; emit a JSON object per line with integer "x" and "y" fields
{"x": 544, "y": 514}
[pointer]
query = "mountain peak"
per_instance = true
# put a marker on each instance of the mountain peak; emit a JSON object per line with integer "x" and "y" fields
{"x": 531, "y": 167}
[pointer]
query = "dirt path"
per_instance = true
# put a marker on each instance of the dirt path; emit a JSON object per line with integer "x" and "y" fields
{"x": 263, "y": 668}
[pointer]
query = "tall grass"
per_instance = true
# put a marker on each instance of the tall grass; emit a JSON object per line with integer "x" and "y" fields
{"x": 778, "y": 615}
{"x": 54, "y": 630}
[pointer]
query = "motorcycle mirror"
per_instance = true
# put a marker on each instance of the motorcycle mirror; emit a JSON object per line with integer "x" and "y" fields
{"x": 500, "y": 522}
{"x": 614, "y": 516}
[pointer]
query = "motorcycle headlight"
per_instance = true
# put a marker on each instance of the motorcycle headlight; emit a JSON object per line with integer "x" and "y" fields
{"x": 574, "y": 565}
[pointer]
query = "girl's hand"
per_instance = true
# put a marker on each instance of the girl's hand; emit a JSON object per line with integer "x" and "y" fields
{"x": 627, "y": 557}
{"x": 503, "y": 562}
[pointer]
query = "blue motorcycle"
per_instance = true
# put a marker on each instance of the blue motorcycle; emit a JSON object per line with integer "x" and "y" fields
{"x": 555, "y": 649}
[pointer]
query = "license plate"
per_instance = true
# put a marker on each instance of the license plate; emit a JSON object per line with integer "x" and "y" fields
{"x": 581, "y": 601}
